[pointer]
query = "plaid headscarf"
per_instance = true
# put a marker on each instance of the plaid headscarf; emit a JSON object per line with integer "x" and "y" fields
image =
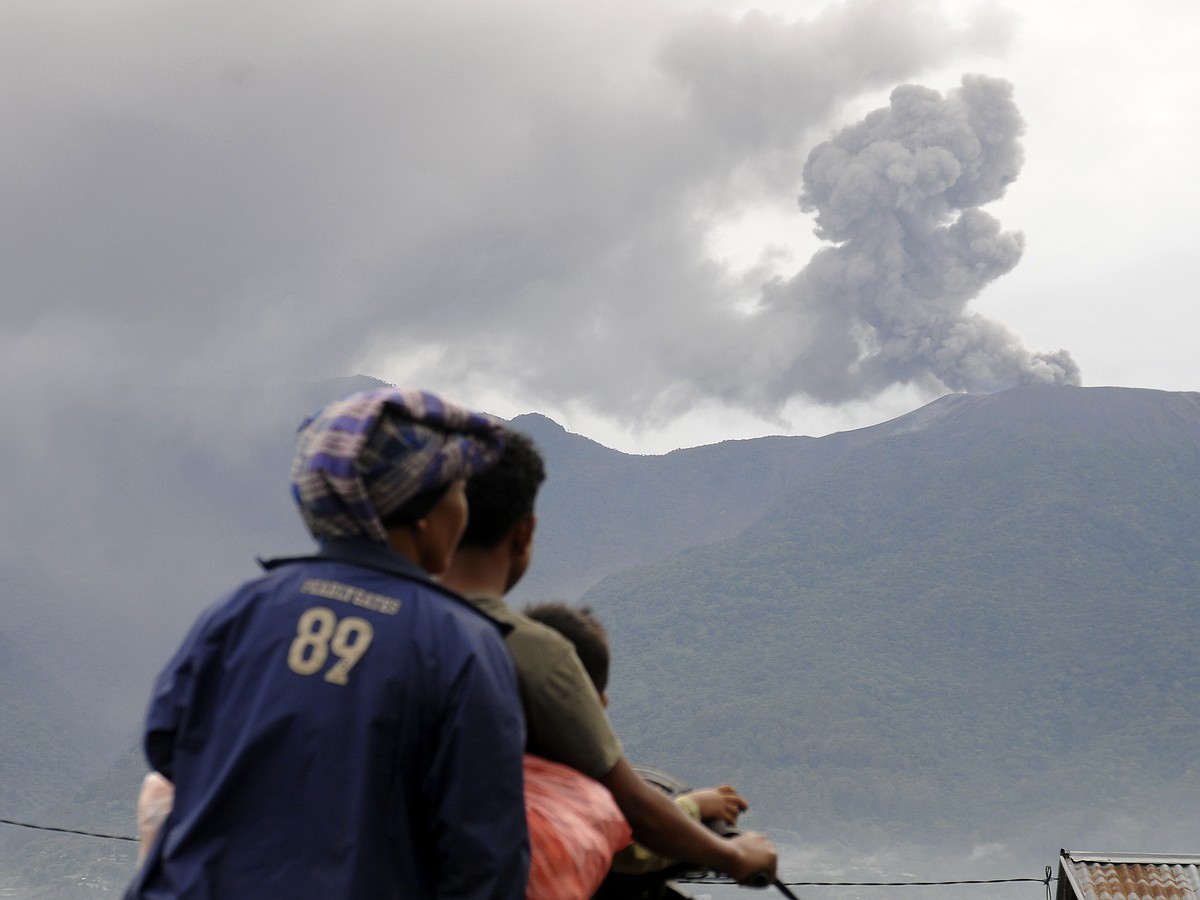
{"x": 362, "y": 458}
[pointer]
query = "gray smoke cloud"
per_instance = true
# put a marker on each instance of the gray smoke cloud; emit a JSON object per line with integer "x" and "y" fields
{"x": 511, "y": 195}
{"x": 899, "y": 193}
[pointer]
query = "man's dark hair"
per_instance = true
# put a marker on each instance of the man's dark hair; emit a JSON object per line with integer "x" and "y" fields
{"x": 580, "y": 626}
{"x": 500, "y": 496}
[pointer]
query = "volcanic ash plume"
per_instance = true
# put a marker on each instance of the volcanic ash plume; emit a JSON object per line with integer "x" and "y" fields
{"x": 899, "y": 193}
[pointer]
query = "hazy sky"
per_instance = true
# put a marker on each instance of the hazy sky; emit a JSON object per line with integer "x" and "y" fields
{"x": 602, "y": 212}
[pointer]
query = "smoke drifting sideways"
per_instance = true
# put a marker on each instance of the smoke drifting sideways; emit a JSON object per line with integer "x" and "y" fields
{"x": 899, "y": 194}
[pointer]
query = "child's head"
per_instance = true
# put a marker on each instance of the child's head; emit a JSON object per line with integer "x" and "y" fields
{"x": 580, "y": 626}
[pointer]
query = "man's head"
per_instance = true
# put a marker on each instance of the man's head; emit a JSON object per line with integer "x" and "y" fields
{"x": 498, "y": 544}
{"x": 387, "y": 460}
{"x": 504, "y": 494}
{"x": 579, "y": 625}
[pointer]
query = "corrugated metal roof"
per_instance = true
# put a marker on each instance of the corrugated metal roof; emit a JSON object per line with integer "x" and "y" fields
{"x": 1128, "y": 876}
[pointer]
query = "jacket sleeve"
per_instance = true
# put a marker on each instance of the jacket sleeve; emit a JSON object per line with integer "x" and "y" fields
{"x": 476, "y": 782}
{"x": 176, "y": 686}
{"x": 170, "y": 698}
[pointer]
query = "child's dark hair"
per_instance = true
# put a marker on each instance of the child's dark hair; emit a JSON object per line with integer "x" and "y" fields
{"x": 579, "y": 625}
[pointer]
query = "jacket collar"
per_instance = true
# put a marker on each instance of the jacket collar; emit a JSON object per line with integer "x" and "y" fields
{"x": 368, "y": 554}
{"x": 381, "y": 558}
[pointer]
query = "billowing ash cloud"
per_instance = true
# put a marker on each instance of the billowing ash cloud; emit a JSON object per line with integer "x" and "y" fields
{"x": 487, "y": 198}
{"x": 899, "y": 193}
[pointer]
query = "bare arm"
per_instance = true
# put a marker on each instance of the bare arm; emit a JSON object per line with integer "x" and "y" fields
{"x": 155, "y": 800}
{"x": 660, "y": 825}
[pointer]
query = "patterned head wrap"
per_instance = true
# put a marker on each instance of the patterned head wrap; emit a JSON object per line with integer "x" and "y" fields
{"x": 361, "y": 459}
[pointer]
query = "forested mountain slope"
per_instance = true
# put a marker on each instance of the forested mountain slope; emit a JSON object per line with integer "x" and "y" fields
{"x": 601, "y": 511}
{"x": 985, "y": 617}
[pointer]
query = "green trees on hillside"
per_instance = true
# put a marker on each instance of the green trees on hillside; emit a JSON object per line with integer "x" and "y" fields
{"x": 949, "y": 633}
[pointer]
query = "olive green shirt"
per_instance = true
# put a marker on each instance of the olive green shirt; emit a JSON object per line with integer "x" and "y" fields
{"x": 564, "y": 719}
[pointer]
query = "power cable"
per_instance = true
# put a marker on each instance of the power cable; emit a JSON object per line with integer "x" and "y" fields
{"x": 1046, "y": 880}
{"x": 96, "y": 834}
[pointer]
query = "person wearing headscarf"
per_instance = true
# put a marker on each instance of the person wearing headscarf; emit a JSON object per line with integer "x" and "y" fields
{"x": 343, "y": 726}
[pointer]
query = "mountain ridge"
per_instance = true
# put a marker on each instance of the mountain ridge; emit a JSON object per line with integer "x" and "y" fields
{"x": 932, "y": 573}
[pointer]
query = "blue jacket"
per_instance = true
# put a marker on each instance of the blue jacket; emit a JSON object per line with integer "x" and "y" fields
{"x": 341, "y": 727}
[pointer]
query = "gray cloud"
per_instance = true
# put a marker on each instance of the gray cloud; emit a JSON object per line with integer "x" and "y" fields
{"x": 900, "y": 194}
{"x": 516, "y": 192}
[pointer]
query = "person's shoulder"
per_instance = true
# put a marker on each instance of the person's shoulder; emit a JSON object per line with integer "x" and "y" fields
{"x": 537, "y": 648}
{"x": 539, "y": 634}
{"x": 524, "y": 635}
{"x": 230, "y": 606}
{"x": 381, "y": 575}
{"x": 464, "y": 611}
{"x": 443, "y": 618}
{"x": 534, "y": 634}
